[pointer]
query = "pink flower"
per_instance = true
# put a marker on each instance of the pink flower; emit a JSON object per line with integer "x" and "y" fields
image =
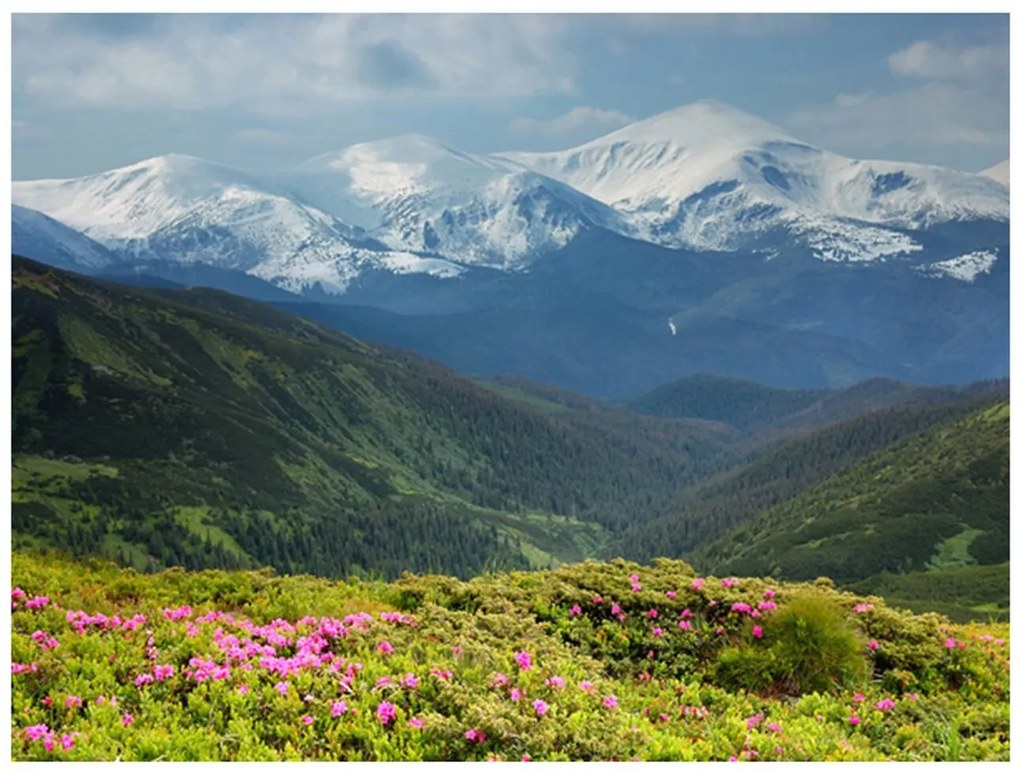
{"x": 282, "y": 687}
{"x": 768, "y": 594}
{"x": 39, "y": 601}
{"x": 685, "y": 625}
{"x": 754, "y": 720}
{"x": 779, "y": 750}
{"x": 385, "y": 712}
{"x": 653, "y": 613}
{"x": 338, "y": 708}
{"x": 474, "y": 735}
{"x": 697, "y": 584}
{"x": 596, "y": 600}
{"x": 523, "y": 659}
{"x": 540, "y": 707}
{"x": 143, "y": 679}
{"x": 885, "y": 705}
{"x": 525, "y": 758}
{"x": 575, "y": 610}
{"x": 515, "y": 694}
{"x": 499, "y": 680}
{"x": 308, "y": 720}
{"x": 72, "y": 701}
{"x": 416, "y": 722}
{"x": 767, "y": 605}
{"x": 775, "y": 728}
{"x": 657, "y": 631}
{"x": 384, "y": 648}
{"x": 616, "y": 610}
{"x": 409, "y": 681}
{"x": 586, "y": 686}
{"x": 719, "y": 631}
{"x": 457, "y": 650}
{"x": 854, "y": 720}
{"x": 128, "y": 719}
{"x": 728, "y": 582}
{"x": 872, "y": 645}
{"x": 862, "y": 607}
{"x": 757, "y": 632}
{"x": 634, "y": 578}
{"x": 555, "y": 682}
{"x": 243, "y": 688}
{"x": 952, "y": 642}
{"x": 859, "y": 697}
{"x": 740, "y": 607}
{"x": 67, "y": 741}
{"x": 37, "y": 732}
{"x": 635, "y": 587}
{"x": 609, "y": 702}
{"x": 382, "y": 682}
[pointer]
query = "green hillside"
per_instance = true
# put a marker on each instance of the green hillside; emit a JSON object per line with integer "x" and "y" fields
{"x": 592, "y": 661}
{"x": 774, "y": 472}
{"x": 933, "y": 502}
{"x": 200, "y": 429}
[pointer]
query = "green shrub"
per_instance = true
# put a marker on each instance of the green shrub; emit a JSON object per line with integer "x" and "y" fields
{"x": 807, "y": 646}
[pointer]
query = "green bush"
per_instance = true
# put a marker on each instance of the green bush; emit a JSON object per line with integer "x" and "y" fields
{"x": 807, "y": 646}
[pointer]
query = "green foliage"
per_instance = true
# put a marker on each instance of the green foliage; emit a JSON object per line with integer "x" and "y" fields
{"x": 894, "y": 512}
{"x": 807, "y": 646}
{"x": 461, "y": 646}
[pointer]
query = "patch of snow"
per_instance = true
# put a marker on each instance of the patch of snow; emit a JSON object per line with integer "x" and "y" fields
{"x": 966, "y": 267}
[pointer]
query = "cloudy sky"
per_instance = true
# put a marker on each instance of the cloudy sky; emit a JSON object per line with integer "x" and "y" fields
{"x": 265, "y": 91}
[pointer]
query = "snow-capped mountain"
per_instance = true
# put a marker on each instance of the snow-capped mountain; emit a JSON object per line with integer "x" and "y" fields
{"x": 414, "y": 193}
{"x": 186, "y": 209}
{"x": 710, "y": 176}
{"x": 33, "y": 233}
{"x": 999, "y": 172}
{"x": 702, "y": 177}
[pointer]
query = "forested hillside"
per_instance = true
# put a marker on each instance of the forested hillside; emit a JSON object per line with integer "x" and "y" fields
{"x": 935, "y": 501}
{"x": 197, "y": 428}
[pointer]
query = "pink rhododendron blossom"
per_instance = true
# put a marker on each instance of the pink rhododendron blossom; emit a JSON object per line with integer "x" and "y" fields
{"x": 885, "y": 705}
{"x": 337, "y": 708}
{"x": 698, "y": 584}
{"x": 385, "y": 712}
{"x": 72, "y": 701}
{"x": 67, "y": 741}
{"x": 726, "y": 583}
{"x": 282, "y": 687}
{"x": 540, "y": 707}
{"x": 657, "y": 631}
{"x": 952, "y": 642}
{"x": 37, "y": 732}
{"x": 740, "y": 607}
{"x": 416, "y": 722}
{"x": 685, "y": 625}
{"x": 308, "y": 720}
{"x": 384, "y": 648}
{"x": 752, "y": 721}
{"x": 670, "y": 594}
{"x": 409, "y": 681}
{"x": 499, "y": 680}
{"x": 859, "y": 698}
{"x": 555, "y": 682}
{"x": 872, "y": 645}
{"x": 854, "y": 720}
{"x": 474, "y": 735}
{"x": 596, "y": 600}
{"x": 775, "y": 728}
{"x": 523, "y": 659}
{"x": 610, "y": 702}
{"x": 768, "y": 594}
{"x": 515, "y": 694}
{"x": 586, "y": 686}
{"x": 757, "y": 632}
{"x": 575, "y": 610}
{"x": 767, "y": 605}
{"x": 862, "y": 607}
{"x": 653, "y": 613}
{"x": 128, "y": 719}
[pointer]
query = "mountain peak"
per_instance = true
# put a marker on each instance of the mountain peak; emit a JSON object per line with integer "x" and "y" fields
{"x": 699, "y": 125}
{"x": 999, "y": 172}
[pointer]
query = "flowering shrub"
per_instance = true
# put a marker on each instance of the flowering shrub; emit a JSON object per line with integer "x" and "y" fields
{"x": 246, "y": 666}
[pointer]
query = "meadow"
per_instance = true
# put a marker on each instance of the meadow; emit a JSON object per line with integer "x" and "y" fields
{"x": 592, "y": 661}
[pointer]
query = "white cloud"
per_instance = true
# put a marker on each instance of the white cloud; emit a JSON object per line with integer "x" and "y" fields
{"x": 275, "y": 64}
{"x": 934, "y": 115}
{"x": 961, "y": 101}
{"x": 937, "y": 61}
{"x": 577, "y": 119}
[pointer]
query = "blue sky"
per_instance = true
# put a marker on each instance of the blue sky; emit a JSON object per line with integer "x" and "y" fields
{"x": 262, "y": 92}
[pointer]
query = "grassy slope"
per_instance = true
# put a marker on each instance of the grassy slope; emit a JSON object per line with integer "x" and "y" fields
{"x": 932, "y": 502}
{"x": 239, "y": 435}
{"x": 950, "y": 703}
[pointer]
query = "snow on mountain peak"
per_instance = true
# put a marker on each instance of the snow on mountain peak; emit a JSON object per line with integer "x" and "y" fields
{"x": 999, "y": 172}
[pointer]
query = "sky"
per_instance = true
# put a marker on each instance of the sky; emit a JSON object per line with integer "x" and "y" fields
{"x": 263, "y": 92}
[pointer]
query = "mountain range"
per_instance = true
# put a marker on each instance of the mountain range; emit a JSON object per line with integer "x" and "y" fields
{"x": 193, "y": 427}
{"x": 701, "y": 239}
